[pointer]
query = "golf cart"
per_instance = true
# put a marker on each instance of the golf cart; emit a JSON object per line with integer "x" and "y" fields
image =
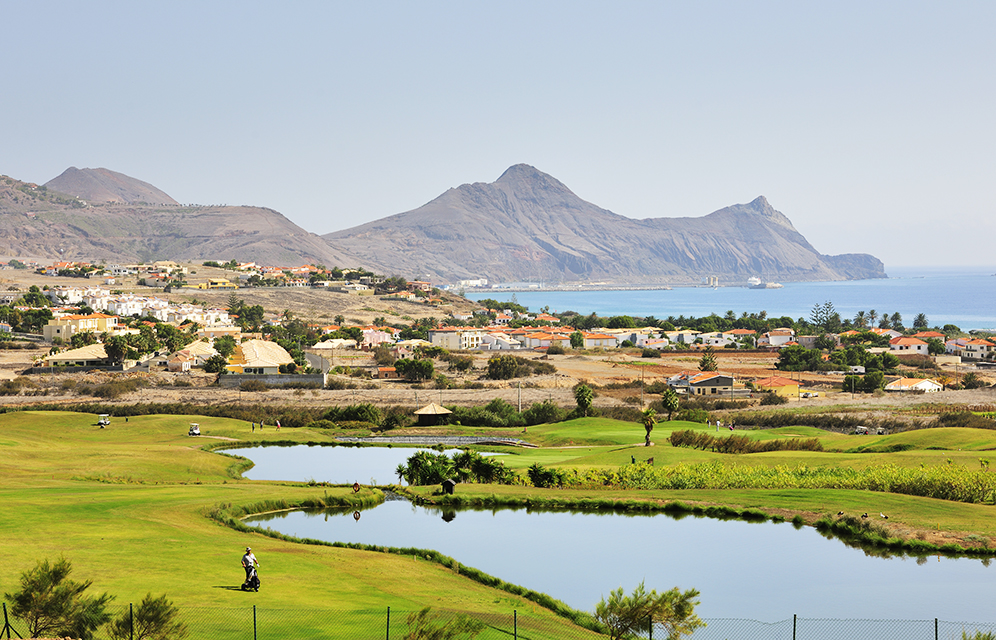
{"x": 103, "y": 420}
{"x": 194, "y": 430}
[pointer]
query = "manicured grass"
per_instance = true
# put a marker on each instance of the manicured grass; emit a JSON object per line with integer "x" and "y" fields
{"x": 129, "y": 505}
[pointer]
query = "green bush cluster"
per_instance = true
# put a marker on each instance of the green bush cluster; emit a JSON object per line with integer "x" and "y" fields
{"x": 545, "y": 477}
{"x": 740, "y": 444}
{"x": 840, "y": 422}
{"x": 425, "y": 468}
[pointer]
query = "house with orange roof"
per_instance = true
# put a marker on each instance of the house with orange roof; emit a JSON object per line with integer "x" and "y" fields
{"x": 776, "y": 338}
{"x": 926, "y": 335}
{"x": 546, "y": 317}
{"x": 907, "y": 344}
{"x": 978, "y": 349}
{"x": 593, "y": 340}
{"x": 541, "y": 340}
{"x": 915, "y": 385}
{"x": 891, "y": 333}
{"x": 779, "y": 385}
{"x": 66, "y": 327}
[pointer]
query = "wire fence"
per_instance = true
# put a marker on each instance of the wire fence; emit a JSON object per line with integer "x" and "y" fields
{"x": 264, "y": 623}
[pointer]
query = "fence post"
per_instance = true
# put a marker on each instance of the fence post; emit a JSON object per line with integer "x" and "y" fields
{"x": 389, "y": 623}
{"x": 6, "y": 622}
{"x": 935, "y": 628}
{"x": 650, "y": 619}
{"x": 515, "y": 624}
{"x": 793, "y": 625}
{"x": 254, "y": 622}
{"x": 131, "y": 621}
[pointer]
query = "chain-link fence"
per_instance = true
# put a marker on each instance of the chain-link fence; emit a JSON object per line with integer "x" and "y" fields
{"x": 264, "y": 623}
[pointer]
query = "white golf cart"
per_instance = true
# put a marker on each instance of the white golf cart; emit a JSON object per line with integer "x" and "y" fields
{"x": 103, "y": 420}
{"x": 194, "y": 430}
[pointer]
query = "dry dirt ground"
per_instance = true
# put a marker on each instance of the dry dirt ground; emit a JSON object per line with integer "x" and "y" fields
{"x": 599, "y": 369}
{"x": 311, "y": 305}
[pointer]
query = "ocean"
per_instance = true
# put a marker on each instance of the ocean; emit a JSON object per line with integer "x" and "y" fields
{"x": 962, "y": 296}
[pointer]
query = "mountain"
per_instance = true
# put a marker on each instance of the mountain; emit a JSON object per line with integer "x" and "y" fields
{"x": 40, "y": 222}
{"x": 528, "y": 226}
{"x": 104, "y": 185}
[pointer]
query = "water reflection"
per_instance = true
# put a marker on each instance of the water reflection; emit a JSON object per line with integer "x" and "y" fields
{"x": 764, "y": 571}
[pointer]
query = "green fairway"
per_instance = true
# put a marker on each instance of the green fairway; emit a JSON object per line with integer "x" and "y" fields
{"x": 131, "y": 505}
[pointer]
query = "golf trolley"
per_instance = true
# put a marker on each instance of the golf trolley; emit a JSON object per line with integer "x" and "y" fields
{"x": 252, "y": 582}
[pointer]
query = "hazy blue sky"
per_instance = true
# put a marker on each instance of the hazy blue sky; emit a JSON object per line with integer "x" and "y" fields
{"x": 870, "y": 125}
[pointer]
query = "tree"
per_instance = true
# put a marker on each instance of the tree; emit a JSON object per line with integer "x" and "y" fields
{"x": 872, "y": 317}
{"x": 897, "y": 322}
{"x": 83, "y": 339}
{"x": 52, "y": 604}
{"x": 860, "y": 320}
{"x": 216, "y": 364}
{"x": 415, "y": 370}
{"x": 577, "y": 340}
{"x": 649, "y": 420}
{"x": 669, "y": 401}
{"x": 154, "y": 619}
{"x": 825, "y": 343}
{"x": 920, "y": 321}
{"x": 631, "y": 615}
{"x": 708, "y": 360}
{"x": 502, "y": 368}
{"x": 225, "y": 346}
{"x": 584, "y": 396}
{"x": 822, "y": 316}
{"x": 116, "y": 347}
{"x": 935, "y": 347}
{"x": 971, "y": 380}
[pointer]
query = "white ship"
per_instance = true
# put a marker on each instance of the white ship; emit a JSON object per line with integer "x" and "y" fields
{"x": 755, "y": 283}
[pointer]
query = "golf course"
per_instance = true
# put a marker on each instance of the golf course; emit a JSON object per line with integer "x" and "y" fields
{"x": 141, "y": 507}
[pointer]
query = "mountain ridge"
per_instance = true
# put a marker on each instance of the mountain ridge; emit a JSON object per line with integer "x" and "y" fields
{"x": 529, "y": 226}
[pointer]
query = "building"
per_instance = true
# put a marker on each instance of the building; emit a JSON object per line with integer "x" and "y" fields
{"x": 905, "y": 344}
{"x": 779, "y": 385}
{"x": 456, "y": 338}
{"x": 258, "y": 356}
{"x": 916, "y": 385}
{"x": 67, "y": 326}
{"x": 89, "y": 356}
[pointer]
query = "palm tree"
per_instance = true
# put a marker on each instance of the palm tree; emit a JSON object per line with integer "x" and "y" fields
{"x": 860, "y": 320}
{"x": 669, "y": 401}
{"x": 649, "y": 420}
{"x": 872, "y": 317}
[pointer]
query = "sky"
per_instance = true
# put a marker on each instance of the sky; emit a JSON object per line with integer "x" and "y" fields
{"x": 870, "y": 125}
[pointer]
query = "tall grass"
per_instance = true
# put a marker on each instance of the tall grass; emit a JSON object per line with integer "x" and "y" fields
{"x": 945, "y": 482}
{"x": 740, "y": 444}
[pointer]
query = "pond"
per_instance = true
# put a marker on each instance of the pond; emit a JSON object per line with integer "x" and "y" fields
{"x": 763, "y": 571}
{"x": 336, "y": 465}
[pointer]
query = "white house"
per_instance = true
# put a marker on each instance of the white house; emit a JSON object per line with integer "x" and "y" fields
{"x": 906, "y": 344}
{"x": 917, "y": 385}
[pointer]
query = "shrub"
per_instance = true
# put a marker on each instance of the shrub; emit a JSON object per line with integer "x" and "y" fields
{"x": 52, "y": 604}
{"x": 338, "y": 384}
{"x": 321, "y": 424}
{"x": 545, "y": 412}
{"x": 651, "y": 353}
{"x": 253, "y": 385}
{"x": 555, "y": 350}
{"x": 544, "y": 477}
{"x": 154, "y": 619}
{"x": 772, "y": 398}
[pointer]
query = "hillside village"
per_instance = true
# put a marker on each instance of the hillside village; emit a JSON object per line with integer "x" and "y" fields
{"x": 93, "y": 328}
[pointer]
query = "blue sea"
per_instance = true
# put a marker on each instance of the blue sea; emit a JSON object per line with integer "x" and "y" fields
{"x": 963, "y": 296}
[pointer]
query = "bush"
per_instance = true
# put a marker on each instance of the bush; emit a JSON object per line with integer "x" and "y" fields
{"x": 555, "y": 350}
{"x": 154, "y": 619}
{"x": 356, "y": 413}
{"x": 545, "y": 412}
{"x": 772, "y": 398}
{"x": 650, "y": 353}
{"x": 544, "y": 477}
{"x": 338, "y": 384}
{"x": 52, "y": 604}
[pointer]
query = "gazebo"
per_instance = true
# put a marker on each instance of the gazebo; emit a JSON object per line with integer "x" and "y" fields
{"x": 431, "y": 415}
